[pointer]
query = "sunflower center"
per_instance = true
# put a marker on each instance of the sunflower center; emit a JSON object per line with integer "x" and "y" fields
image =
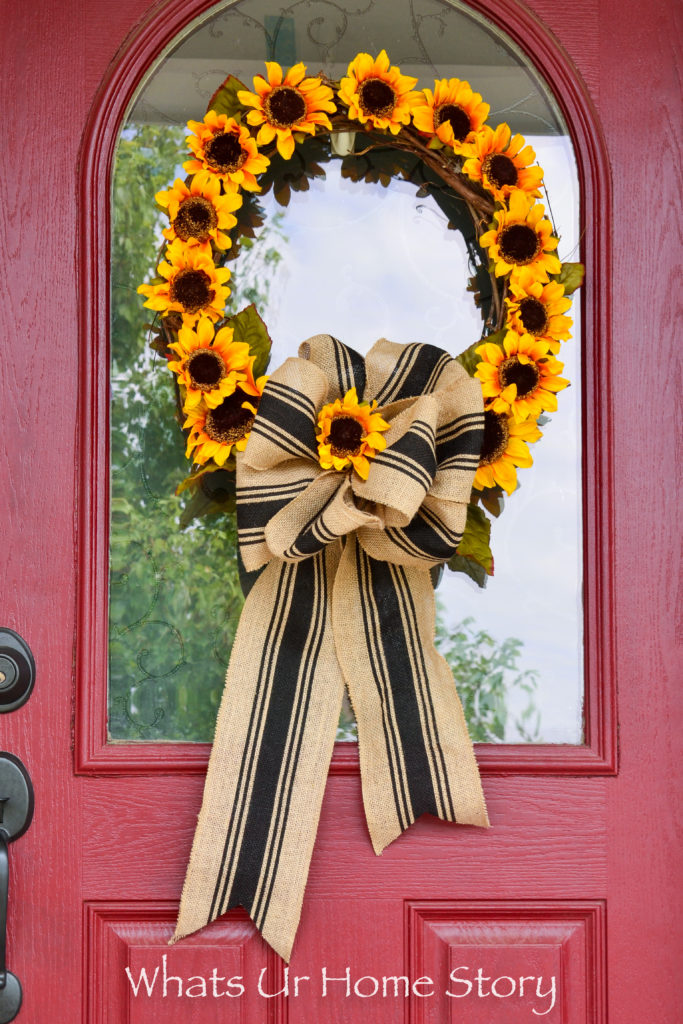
{"x": 346, "y": 435}
{"x": 500, "y": 170}
{"x": 525, "y": 375}
{"x": 224, "y": 153}
{"x": 376, "y": 97}
{"x": 205, "y": 369}
{"x": 192, "y": 289}
{"x": 285, "y": 106}
{"x": 196, "y": 218}
{"x": 533, "y": 315}
{"x": 456, "y": 117}
{"x": 496, "y": 435}
{"x": 519, "y": 244}
{"x": 229, "y": 422}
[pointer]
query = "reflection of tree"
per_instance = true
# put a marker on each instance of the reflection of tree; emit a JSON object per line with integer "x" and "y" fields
{"x": 486, "y": 672}
{"x": 174, "y": 594}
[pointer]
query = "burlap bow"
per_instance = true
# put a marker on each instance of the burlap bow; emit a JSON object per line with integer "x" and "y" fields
{"x": 346, "y": 598}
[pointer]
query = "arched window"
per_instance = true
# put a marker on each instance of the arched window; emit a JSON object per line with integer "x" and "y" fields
{"x": 359, "y": 259}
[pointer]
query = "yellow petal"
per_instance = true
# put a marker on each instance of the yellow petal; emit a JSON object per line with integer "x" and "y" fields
{"x": 378, "y": 442}
{"x": 295, "y": 74}
{"x": 274, "y": 72}
{"x": 505, "y": 475}
{"x": 285, "y": 145}
{"x": 361, "y": 465}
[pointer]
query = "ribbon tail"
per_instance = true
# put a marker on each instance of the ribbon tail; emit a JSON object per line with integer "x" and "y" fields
{"x": 268, "y": 769}
{"x": 416, "y": 755}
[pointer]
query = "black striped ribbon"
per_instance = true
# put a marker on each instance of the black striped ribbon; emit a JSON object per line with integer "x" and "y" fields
{"x": 345, "y": 599}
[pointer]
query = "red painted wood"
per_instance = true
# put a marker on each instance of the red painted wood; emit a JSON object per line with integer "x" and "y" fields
{"x": 552, "y": 833}
{"x": 99, "y": 871}
{"x": 135, "y": 935}
{"x": 510, "y": 941}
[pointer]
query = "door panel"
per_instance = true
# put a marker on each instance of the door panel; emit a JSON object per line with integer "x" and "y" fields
{"x": 133, "y": 977}
{"x": 495, "y": 961}
{"x": 96, "y": 879}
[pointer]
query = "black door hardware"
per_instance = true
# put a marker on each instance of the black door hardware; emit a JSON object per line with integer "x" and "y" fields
{"x": 16, "y": 812}
{"x": 17, "y": 670}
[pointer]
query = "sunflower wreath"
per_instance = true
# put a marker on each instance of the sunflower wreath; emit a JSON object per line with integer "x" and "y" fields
{"x": 354, "y": 479}
{"x": 485, "y": 180}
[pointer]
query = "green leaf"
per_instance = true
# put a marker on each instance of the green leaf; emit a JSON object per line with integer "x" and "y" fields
{"x": 283, "y": 176}
{"x": 214, "y": 494}
{"x": 469, "y": 358}
{"x": 571, "y": 276}
{"x": 380, "y": 164}
{"x": 248, "y": 326}
{"x": 283, "y": 193}
{"x": 475, "y": 545}
{"x": 159, "y": 344}
{"x": 469, "y": 568}
{"x": 191, "y": 482}
{"x": 225, "y": 101}
{"x": 493, "y": 500}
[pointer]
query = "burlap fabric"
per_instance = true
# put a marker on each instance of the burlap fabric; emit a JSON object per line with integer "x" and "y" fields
{"x": 345, "y": 598}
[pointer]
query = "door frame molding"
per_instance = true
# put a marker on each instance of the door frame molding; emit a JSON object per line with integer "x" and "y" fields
{"x": 93, "y": 754}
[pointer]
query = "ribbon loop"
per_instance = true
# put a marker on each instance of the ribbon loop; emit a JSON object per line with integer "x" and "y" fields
{"x": 403, "y": 473}
{"x": 345, "y": 599}
{"x": 287, "y": 417}
{"x": 343, "y": 368}
{"x": 323, "y": 513}
{"x": 395, "y": 372}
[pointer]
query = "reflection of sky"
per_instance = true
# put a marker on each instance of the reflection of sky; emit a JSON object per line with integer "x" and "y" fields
{"x": 364, "y": 262}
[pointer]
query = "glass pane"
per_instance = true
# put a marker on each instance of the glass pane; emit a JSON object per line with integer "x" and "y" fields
{"x": 358, "y": 261}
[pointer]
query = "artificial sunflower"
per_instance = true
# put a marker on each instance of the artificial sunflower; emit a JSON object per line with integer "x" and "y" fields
{"x": 520, "y": 378}
{"x": 209, "y": 366}
{"x": 538, "y": 309}
{"x": 377, "y": 93}
{"x": 504, "y": 449}
{"x": 199, "y": 214}
{"x": 193, "y": 286}
{"x": 502, "y": 163}
{"x": 215, "y": 432}
{"x": 350, "y": 433}
{"x": 453, "y": 113}
{"x": 521, "y": 243}
{"x": 225, "y": 149}
{"x": 285, "y": 105}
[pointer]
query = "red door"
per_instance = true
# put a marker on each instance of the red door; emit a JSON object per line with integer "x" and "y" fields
{"x": 576, "y": 879}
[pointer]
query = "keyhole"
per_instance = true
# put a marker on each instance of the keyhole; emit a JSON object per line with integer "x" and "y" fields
{"x": 3, "y": 801}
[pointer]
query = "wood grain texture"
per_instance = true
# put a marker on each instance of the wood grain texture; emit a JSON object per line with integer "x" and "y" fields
{"x": 556, "y": 839}
{"x": 566, "y": 940}
{"x": 547, "y": 834}
{"x": 120, "y": 935}
{"x": 37, "y": 484}
{"x": 643, "y": 831}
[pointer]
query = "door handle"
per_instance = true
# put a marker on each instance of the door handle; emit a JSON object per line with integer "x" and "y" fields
{"x": 16, "y": 812}
{"x": 17, "y": 670}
